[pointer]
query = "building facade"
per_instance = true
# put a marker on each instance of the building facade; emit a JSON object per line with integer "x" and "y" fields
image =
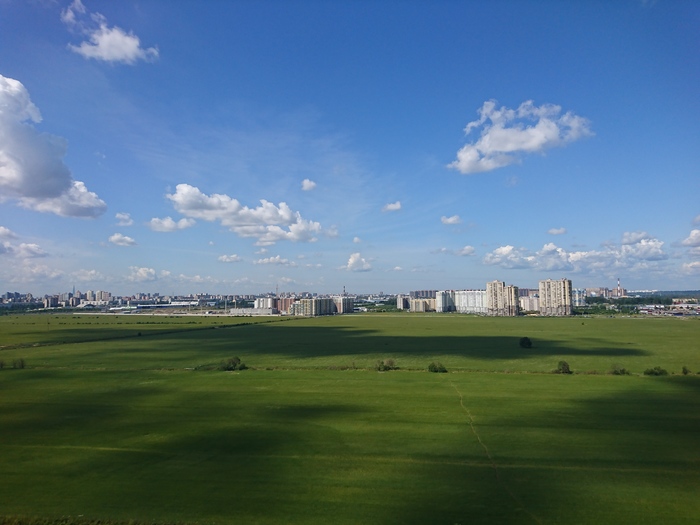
{"x": 556, "y": 297}
{"x": 501, "y": 299}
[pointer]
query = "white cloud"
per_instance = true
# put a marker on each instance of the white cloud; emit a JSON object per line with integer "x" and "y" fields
{"x": 692, "y": 268}
{"x": 357, "y": 264}
{"x": 87, "y": 276}
{"x": 357, "y": 240}
{"x": 6, "y": 233}
{"x": 508, "y": 257}
{"x": 110, "y": 44}
{"x": 229, "y": 258}
{"x": 394, "y": 206}
{"x": 634, "y": 237}
{"x": 450, "y": 220}
{"x": 26, "y": 251}
{"x": 31, "y": 163}
{"x": 693, "y": 239}
{"x": 638, "y": 250}
{"x": 467, "y": 250}
{"x": 141, "y": 275}
{"x": 34, "y": 273}
{"x": 508, "y": 134}
{"x": 556, "y": 231}
{"x": 121, "y": 240}
{"x": 169, "y": 225}
{"x": 124, "y": 219}
{"x": 278, "y": 260}
{"x": 307, "y": 185}
{"x": 397, "y": 269}
{"x": 267, "y": 223}
{"x": 696, "y": 220}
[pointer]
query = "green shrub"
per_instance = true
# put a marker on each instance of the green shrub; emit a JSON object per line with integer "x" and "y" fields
{"x": 686, "y": 370}
{"x": 617, "y": 370}
{"x": 563, "y": 368}
{"x": 525, "y": 342}
{"x": 437, "y": 368}
{"x": 656, "y": 371}
{"x": 386, "y": 365}
{"x": 231, "y": 364}
{"x": 18, "y": 363}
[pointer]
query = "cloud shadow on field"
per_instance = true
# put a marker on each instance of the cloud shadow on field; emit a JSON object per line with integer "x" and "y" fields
{"x": 292, "y": 340}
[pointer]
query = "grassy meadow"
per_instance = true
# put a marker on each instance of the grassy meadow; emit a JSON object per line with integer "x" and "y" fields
{"x": 106, "y": 424}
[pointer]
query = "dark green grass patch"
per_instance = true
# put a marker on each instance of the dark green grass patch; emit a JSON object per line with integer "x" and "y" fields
{"x": 357, "y": 446}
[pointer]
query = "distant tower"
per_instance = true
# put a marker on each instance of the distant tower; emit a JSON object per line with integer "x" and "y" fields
{"x": 619, "y": 288}
{"x": 344, "y": 294}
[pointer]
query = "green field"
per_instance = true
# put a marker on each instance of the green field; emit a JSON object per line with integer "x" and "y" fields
{"x": 106, "y": 424}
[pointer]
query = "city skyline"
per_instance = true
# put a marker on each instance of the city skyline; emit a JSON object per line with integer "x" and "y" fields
{"x": 237, "y": 147}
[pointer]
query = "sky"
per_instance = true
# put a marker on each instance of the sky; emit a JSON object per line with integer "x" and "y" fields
{"x": 242, "y": 147}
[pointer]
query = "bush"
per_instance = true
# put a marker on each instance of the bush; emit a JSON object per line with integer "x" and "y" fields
{"x": 437, "y": 368}
{"x": 18, "y": 363}
{"x": 563, "y": 368}
{"x": 525, "y": 342}
{"x": 231, "y": 364}
{"x": 386, "y": 365}
{"x": 617, "y": 370}
{"x": 686, "y": 370}
{"x": 656, "y": 371}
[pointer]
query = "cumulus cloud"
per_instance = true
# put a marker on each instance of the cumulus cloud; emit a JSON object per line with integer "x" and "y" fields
{"x": 31, "y": 163}
{"x": 141, "y": 274}
{"x": 278, "y": 260}
{"x": 638, "y": 250}
{"x": 267, "y": 223}
{"x": 467, "y": 250}
{"x": 357, "y": 240}
{"x": 121, "y": 240}
{"x": 696, "y": 220}
{"x": 556, "y": 231}
{"x": 109, "y": 44}
{"x": 26, "y": 251}
{"x": 691, "y": 268}
{"x": 693, "y": 239}
{"x": 87, "y": 276}
{"x": 509, "y": 134}
{"x": 357, "y": 264}
{"x": 394, "y": 206}
{"x": 307, "y": 185}
{"x": 6, "y": 233}
{"x": 450, "y": 220}
{"x": 34, "y": 273}
{"x": 229, "y": 258}
{"x": 169, "y": 225}
{"x": 124, "y": 219}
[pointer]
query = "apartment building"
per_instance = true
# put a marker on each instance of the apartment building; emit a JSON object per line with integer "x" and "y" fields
{"x": 556, "y": 297}
{"x": 501, "y": 299}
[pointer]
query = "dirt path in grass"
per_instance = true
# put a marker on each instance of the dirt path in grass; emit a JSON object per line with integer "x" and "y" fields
{"x": 494, "y": 465}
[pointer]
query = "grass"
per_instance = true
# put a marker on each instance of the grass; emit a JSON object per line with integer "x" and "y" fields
{"x": 120, "y": 429}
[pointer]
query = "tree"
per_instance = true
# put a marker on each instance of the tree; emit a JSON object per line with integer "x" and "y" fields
{"x": 437, "y": 368}
{"x": 525, "y": 342}
{"x": 563, "y": 368}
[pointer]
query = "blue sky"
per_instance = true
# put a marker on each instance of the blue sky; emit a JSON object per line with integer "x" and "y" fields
{"x": 233, "y": 147}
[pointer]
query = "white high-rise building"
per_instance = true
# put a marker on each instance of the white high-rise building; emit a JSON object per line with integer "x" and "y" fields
{"x": 445, "y": 301}
{"x": 556, "y": 297}
{"x": 471, "y": 301}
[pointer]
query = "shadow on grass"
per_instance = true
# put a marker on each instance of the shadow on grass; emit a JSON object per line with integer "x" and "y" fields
{"x": 299, "y": 341}
{"x": 291, "y": 454}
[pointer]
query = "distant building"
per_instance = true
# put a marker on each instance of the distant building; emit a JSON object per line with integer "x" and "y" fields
{"x": 470, "y": 302}
{"x": 502, "y": 299}
{"x": 445, "y": 301}
{"x": 556, "y": 297}
{"x": 402, "y": 302}
{"x": 422, "y": 305}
